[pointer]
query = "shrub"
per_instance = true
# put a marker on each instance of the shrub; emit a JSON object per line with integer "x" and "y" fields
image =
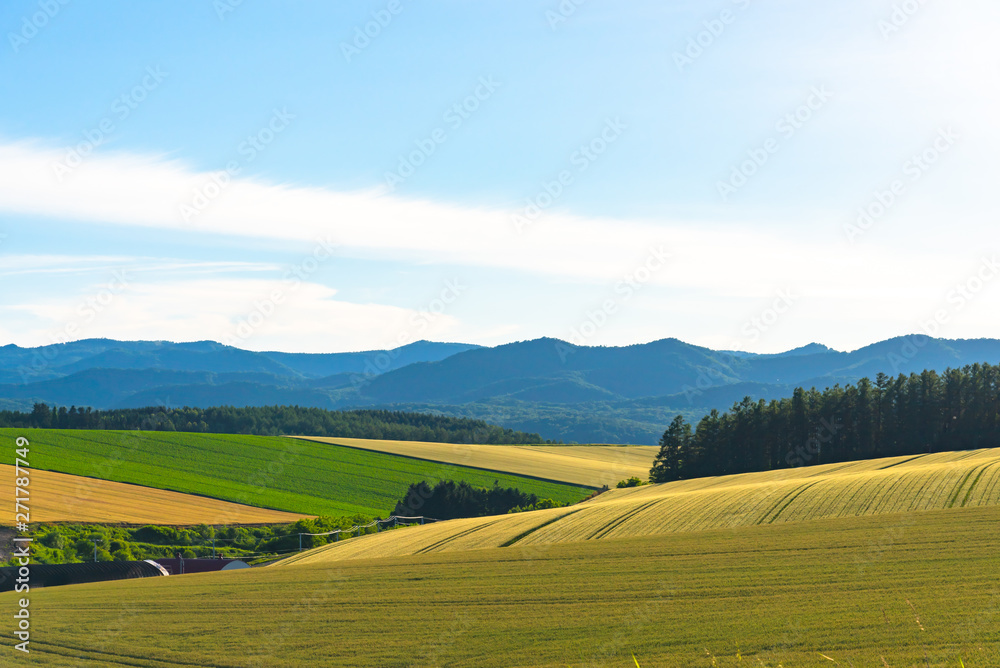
{"x": 53, "y": 539}
{"x": 596, "y": 493}
{"x": 157, "y": 535}
{"x": 538, "y": 505}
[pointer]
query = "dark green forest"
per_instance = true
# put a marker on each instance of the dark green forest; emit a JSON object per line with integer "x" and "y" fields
{"x": 448, "y": 500}
{"x": 904, "y": 415}
{"x": 274, "y": 421}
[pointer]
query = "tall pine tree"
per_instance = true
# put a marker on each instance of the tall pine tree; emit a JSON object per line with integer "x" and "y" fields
{"x": 675, "y": 445}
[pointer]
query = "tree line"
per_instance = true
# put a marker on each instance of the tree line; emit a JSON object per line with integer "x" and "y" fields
{"x": 69, "y": 543}
{"x": 274, "y": 421}
{"x": 892, "y": 416}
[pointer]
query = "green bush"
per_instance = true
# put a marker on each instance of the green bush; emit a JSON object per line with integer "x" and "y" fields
{"x": 541, "y": 504}
{"x": 72, "y": 543}
{"x": 53, "y": 539}
{"x": 157, "y": 535}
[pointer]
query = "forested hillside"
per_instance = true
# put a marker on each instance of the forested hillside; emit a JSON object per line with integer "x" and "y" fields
{"x": 903, "y": 415}
{"x": 274, "y": 421}
{"x": 584, "y": 394}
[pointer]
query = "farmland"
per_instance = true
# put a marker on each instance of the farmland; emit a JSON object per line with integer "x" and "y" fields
{"x": 267, "y": 472}
{"x": 883, "y": 486}
{"x": 896, "y": 590}
{"x": 58, "y": 497}
{"x": 886, "y": 562}
{"x": 588, "y": 465}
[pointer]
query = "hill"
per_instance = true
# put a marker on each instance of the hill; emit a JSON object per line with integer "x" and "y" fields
{"x": 629, "y": 394}
{"x": 271, "y": 421}
{"x": 658, "y": 369}
{"x": 62, "y": 359}
{"x": 267, "y": 472}
{"x": 883, "y": 486}
{"x": 560, "y": 390}
{"x": 103, "y": 373}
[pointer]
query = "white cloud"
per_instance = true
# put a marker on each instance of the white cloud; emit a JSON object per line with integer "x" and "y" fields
{"x": 715, "y": 279}
{"x": 15, "y": 265}
{"x": 135, "y": 190}
{"x": 305, "y": 317}
{"x": 132, "y": 190}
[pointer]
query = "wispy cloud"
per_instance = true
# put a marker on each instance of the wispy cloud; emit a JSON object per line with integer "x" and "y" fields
{"x": 144, "y": 191}
{"x": 16, "y": 265}
{"x": 716, "y": 273}
{"x": 308, "y": 318}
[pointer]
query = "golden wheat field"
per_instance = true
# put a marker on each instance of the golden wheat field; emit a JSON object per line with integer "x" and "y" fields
{"x": 58, "y": 497}
{"x": 587, "y": 465}
{"x": 875, "y": 487}
{"x": 883, "y": 590}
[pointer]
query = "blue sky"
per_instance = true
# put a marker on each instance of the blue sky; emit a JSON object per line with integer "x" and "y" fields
{"x": 737, "y": 174}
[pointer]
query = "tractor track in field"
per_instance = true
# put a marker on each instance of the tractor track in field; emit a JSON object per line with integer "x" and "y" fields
{"x": 116, "y": 659}
{"x": 454, "y": 537}
{"x": 794, "y": 495}
{"x": 522, "y": 536}
{"x": 958, "y": 490}
{"x": 603, "y": 531}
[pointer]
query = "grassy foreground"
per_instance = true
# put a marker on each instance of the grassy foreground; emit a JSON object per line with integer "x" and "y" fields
{"x": 900, "y": 590}
{"x": 280, "y": 473}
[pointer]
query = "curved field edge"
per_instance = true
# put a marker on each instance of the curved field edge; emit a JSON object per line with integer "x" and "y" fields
{"x": 60, "y": 497}
{"x": 874, "y": 487}
{"x": 896, "y": 590}
{"x": 285, "y": 474}
{"x": 588, "y": 465}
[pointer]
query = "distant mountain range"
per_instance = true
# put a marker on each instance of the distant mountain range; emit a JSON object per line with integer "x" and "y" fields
{"x": 562, "y": 391}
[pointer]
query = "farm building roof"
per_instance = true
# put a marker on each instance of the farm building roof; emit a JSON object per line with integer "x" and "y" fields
{"x": 52, "y": 575}
{"x": 173, "y": 566}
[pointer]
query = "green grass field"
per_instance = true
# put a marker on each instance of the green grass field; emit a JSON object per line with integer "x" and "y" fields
{"x": 279, "y": 473}
{"x": 898, "y": 590}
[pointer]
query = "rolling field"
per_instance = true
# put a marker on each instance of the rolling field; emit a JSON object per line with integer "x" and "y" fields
{"x": 587, "y": 465}
{"x": 874, "y": 487}
{"x": 267, "y": 472}
{"x": 897, "y": 590}
{"x": 58, "y": 497}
